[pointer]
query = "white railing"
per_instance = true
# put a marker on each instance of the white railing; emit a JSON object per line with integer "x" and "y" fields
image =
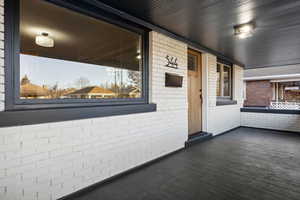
{"x": 285, "y": 105}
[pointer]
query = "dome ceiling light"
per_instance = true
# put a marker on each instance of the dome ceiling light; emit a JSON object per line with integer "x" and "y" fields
{"x": 44, "y": 40}
{"x": 243, "y": 31}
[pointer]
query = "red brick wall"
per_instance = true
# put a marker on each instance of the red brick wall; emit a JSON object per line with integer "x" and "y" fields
{"x": 258, "y": 93}
{"x": 291, "y": 96}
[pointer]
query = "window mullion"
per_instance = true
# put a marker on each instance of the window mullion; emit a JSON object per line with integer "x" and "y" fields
{"x": 222, "y": 80}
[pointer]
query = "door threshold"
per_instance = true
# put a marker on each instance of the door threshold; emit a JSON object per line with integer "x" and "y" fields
{"x": 197, "y": 138}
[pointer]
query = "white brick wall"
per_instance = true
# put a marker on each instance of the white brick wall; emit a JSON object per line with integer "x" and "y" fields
{"x": 1, "y": 55}
{"x": 284, "y": 122}
{"x": 221, "y": 118}
{"x": 48, "y": 161}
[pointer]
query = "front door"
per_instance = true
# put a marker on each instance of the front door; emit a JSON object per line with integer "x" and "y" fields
{"x": 194, "y": 92}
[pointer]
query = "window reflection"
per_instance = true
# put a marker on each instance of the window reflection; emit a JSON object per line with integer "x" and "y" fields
{"x": 89, "y": 59}
{"x": 226, "y": 81}
{"x": 46, "y": 78}
{"x": 218, "y": 80}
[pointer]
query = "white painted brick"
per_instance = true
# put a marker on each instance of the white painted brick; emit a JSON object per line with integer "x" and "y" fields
{"x": 1, "y": 71}
{"x": 2, "y": 82}
{"x": 69, "y": 154}
{"x": 2, "y": 106}
{"x": 1, "y": 61}
{"x": 74, "y": 154}
{"x": 222, "y": 118}
{"x": 284, "y": 122}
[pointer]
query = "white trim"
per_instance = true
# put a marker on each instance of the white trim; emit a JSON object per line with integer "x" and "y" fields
{"x": 204, "y": 92}
{"x": 285, "y": 80}
{"x": 287, "y": 76}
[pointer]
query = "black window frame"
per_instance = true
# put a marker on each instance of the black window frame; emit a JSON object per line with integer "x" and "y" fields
{"x": 12, "y": 62}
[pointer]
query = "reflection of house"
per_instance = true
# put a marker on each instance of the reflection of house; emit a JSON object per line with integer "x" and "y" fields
{"x": 281, "y": 84}
{"x": 29, "y": 90}
{"x": 65, "y": 92}
{"x": 93, "y": 92}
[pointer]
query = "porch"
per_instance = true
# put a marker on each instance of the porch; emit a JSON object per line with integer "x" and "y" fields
{"x": 243, "y": 164}
{"x": 105, "y": 99}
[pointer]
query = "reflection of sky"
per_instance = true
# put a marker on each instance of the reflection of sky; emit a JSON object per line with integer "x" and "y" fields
{"x": 48, "y": 71}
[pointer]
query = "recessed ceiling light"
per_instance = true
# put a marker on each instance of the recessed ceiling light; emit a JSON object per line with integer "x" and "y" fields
{"x": 44, "y": 40}
{"x": 244, "y": 30}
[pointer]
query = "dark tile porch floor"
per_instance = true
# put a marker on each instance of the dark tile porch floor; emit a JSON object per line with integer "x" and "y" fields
{"x": 244, "y": 164}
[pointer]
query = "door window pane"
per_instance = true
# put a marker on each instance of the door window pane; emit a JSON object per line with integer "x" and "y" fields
{"x": 67, "y": 55}
{"x": 192, "y": 62}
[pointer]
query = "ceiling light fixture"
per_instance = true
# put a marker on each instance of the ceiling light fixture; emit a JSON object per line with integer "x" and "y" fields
{"x": 244, "y": 30}
{"x": 139, "y": 57}
{"x": 44, "y": 40}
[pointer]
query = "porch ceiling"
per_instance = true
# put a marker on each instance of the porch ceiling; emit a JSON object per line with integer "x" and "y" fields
{"x": 210, "y": 23}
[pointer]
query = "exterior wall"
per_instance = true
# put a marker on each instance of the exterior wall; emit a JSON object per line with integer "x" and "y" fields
{"x": 219, "y": 119}
{"x": 284, "y": 122}
{"x": 258, "y": 93}
{"x": 1, "y": 55}
{"x": 292, "y": 96}
{"x": 48, "y": 161}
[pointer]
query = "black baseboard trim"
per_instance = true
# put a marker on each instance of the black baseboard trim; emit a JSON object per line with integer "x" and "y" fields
{"x": 269, "y": 129}
{"x": 197, "y": 138}
{"x": 117, "y": 176}
{"x": 268, "y": 110}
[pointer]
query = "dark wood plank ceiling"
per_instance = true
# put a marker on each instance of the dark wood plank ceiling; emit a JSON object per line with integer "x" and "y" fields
{"x": 210, "y": 23}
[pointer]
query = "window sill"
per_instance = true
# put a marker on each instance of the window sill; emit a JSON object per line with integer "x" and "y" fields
{"x": 226, "y": 102}
{"x": 268, "y": 110}
{"x": 29, "y": 117}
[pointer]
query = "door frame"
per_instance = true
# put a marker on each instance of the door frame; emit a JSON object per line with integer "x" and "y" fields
{"x": 200, "y": 73}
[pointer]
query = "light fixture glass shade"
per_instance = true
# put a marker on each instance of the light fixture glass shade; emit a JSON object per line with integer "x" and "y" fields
{"x": 44, "y": 40}
{"x": 139, "y": 57}
{"x": 244, "y": 30}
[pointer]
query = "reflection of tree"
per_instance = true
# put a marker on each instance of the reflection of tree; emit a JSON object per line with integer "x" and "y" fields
{"x": 134, "y": 77}
{"x": 82, "y": 82}
{"x": 134, "y": 90}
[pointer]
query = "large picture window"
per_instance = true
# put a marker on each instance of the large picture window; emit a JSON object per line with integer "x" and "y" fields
{"x": 69, "y": 57}
{"x": 224, "y": 82}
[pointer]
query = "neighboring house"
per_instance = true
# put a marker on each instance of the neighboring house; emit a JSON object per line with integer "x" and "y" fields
{"x": 29, "y": 90}
{"x": 264, "y": 86}
{"x": 93, "y": 92}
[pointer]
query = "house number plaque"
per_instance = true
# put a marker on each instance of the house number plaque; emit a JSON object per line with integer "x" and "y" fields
{"x": 171, "y": 62}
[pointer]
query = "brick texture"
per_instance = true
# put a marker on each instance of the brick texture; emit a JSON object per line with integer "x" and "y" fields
{"x": 291, "y": 96}
{"x": 48, "y": 161}
{"x": 284, "y": 122}
{"x": 258, "y": 93}
{"x": 222, "y": 118}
